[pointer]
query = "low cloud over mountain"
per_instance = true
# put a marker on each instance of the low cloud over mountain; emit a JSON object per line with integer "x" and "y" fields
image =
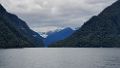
{"x": 55, "y": 13}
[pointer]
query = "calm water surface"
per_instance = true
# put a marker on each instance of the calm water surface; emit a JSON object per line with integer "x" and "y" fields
{"x": 60, "y": 58}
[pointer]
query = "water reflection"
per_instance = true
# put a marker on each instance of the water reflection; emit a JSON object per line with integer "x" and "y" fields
{"x": 60, "y": 58}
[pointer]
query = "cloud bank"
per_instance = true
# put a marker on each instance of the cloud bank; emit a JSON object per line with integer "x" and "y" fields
{"x": 45, "y": 14}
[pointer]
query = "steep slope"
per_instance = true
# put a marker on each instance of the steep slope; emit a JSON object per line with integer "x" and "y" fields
{"x": 58, "y": 35}
{"x": 10, "y": 37}
{"x": 20, "y": 27}
{"x": 100, "y": 31}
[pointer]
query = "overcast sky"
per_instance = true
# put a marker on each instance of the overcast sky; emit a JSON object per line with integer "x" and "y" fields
{"x": 44, "y": 15}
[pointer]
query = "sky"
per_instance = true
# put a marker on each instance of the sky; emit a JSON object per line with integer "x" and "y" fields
{"x": 46, "y": 15}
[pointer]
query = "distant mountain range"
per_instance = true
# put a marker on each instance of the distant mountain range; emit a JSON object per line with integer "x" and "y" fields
{"x": 45, "y": 34}
{"x": 15, "y": 33}
{"x": 102, "y": 30}
{"x": 57, "y": 35}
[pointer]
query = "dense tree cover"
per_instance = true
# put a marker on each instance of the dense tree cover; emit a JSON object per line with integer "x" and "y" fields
{"x": 15, "y": 33}
{"x": 100, "y": 31}
{"x": 10, "y": 37}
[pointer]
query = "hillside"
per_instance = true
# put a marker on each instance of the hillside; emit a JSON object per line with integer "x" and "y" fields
{"x": 102, "y": 30}
{"x": 58, "y": 35}
{"x": 15, "y": 33}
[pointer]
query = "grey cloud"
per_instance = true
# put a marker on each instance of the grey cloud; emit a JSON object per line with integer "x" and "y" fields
{"x": 99, "y": 1}
{"x": 22, "y": 6}
{"x": 55, "y": 13}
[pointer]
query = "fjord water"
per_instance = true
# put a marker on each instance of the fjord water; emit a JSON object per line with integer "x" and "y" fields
{"x": 60, "y": 58}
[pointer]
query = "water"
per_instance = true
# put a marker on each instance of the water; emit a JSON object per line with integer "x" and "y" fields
{"x": 60, "y": 58}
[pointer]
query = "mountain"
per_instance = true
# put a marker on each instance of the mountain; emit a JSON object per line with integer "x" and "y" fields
{"x": 14, "y": 32}
{"x": 102, "y": 30}
{"x": 43, "y": 34}
{"x": 46, "y": 33}
{"x": 57, "y": 35}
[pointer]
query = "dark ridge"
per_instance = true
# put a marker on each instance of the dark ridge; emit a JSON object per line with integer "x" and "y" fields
{"x": 2, "y": 9}
{"x": 100, "y": 31}
{"x": 14, "y": 32}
